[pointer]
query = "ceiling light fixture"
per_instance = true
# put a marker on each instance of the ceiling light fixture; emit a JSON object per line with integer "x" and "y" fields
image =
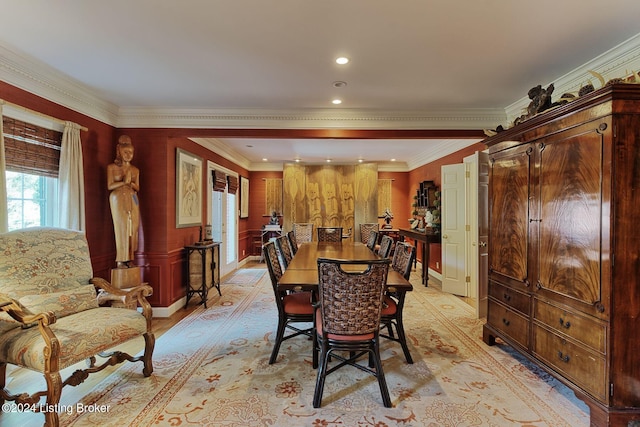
{"x": 342, "y": 60}
{"x": 360, "y": 160}
{"x": 264, "y": 159}
{"x": 328, "y": 160}
{"x": 339, "y": 84}
{"x": 336, "y": 101}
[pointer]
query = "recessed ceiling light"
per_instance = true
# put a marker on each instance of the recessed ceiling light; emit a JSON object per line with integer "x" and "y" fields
{"x": 339, "y": 84}
{"x": 360, "y": 160}
{"x": 342, "y": 60}
{"x": 297, "y": 160}
{"x": 336, "y": 101}
{"x": 328, "y": 160}
{"x": 264, "y": 159}
{"x": 393, "y": 160}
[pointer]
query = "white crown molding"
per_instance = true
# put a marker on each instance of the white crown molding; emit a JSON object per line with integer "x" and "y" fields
{"x": 440, "y": 151}
{"x": 619, "y": 61}
{"x": 308, "y": 119}
{"x": 35, "y": 77}
{"x": 225, "y": 151}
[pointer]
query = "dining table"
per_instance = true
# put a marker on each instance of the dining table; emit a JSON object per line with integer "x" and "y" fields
{"x": 302, "y": 271}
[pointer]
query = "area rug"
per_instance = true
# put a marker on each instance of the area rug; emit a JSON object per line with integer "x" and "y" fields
{"x": 211, "y": 369}
{"x": 244, "y": 276}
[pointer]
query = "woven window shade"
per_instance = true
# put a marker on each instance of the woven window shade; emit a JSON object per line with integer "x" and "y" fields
{"x": 31, "y": 149}
{"x": 233, "y": 184}
{"x": 219, "y": 180}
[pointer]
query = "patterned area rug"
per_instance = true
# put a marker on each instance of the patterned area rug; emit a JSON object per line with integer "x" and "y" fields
{"x": 245, "y": 276}
{"x": 211, "y": 369}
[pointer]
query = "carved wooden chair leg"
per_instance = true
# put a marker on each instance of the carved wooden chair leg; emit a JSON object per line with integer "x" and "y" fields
{"x": 3, "y": 380}
{"x": 54, "y": 390}
{"x": 150, "y": 342}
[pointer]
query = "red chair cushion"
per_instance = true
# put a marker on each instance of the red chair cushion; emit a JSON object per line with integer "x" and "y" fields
{"x": 389, "y": 306}
{"x": 339, "y": 337}
{"x": 298, "y": 303}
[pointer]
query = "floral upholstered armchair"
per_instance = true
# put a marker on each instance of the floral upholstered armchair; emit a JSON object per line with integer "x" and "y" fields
{"x": 50, "y": 317}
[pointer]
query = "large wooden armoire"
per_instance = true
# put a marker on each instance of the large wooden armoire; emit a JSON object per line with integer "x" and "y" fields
{"x": 564, "y": 247}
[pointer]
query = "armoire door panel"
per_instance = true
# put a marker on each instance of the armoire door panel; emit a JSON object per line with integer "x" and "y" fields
{"x": 570, "y": 179}
{"x": 508, "y": 239}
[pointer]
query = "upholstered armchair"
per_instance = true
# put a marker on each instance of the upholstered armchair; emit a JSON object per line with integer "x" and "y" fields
{"x": 50, "y": 316}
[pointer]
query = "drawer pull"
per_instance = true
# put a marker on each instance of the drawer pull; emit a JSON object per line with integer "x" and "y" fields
{"x": 507, "y": 297}
{"x": 564, "y": 324}
{"x": 564, "y": 357}
{"x": 506, "y": 322}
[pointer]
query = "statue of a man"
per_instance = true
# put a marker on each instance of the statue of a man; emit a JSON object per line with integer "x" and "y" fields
{"x": 123, "y": 180}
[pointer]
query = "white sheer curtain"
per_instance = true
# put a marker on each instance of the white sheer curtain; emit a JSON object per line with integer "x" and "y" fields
{"x": 71, "y": 180}
{"x": 4, "y": 214}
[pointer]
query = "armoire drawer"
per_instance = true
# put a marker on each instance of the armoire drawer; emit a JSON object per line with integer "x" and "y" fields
{"x": 508, "y": 296}
{"x": 590, "y": 332}
{"x": 509, "y": 322}
{"x": 582, "y": 366}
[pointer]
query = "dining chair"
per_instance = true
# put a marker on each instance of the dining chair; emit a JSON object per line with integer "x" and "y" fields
{"x": 284, "y": 247}
{"x": 393, "y": 304}
{"x": 292, "y": 242}
{"x": 303, "y": 232}
{"x": 373, "y": 240}
{"x": 386, "y": 244}
{"x": 292, "y": 308}
{"x": 348, "y": 318}
{"x": 366, "y": 229}
{"x": 330, "y": 234}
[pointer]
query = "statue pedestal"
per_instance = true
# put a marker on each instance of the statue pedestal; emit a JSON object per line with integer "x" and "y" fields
{"x": 125, "y": 278}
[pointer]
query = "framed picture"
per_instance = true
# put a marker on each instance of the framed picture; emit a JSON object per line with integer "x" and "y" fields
{"x": 188, "y": 189}
{"x": 244, "y": 197}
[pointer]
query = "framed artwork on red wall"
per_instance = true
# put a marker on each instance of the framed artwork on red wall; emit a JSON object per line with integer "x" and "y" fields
{"x": 188, "y": 189}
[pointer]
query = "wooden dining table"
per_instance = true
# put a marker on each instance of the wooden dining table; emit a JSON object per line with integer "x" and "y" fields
{"x": 302, "y": 272}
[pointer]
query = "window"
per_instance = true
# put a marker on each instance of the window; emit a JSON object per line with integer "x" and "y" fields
{"x": 32, "y": 155}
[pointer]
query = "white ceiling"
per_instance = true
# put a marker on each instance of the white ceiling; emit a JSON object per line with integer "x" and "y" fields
{"x": 415, "y": 64}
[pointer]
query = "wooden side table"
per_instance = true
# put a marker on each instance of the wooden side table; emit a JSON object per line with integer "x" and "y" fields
{"x": 203, "y": 270}
{"x": 425, "y": 238}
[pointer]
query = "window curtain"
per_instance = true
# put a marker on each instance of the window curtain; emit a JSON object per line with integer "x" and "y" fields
{"x": 4, "y": 215}
{"x": 71, "y": 180}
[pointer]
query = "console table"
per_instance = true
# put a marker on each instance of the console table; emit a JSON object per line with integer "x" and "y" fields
{"x": 203, "y": 270}
{"x": 425, "y": 238}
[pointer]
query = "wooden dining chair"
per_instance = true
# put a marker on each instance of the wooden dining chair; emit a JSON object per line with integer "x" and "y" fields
{"x": 303, "y": 232}
{"x": 366, "y": 229}
{"x": 293, "y": 308}
{"x": 284, "y": 246}
{"x": 348, "y": 319}
{"x": 386, "y": 244}
{"x": 330, "y": 234}
{"x": 393, "y": 304}
{"x": 372, "y": 242}
{"x": 292, "y": 242}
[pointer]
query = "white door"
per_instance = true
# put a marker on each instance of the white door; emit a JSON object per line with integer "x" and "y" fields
{"x": 222, "y": 214}
{"x": 478, "y": 219}
{"x": 454, "y": 278}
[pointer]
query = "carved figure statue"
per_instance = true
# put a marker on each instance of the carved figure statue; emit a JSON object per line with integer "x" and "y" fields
{"x": 123, "y": 180}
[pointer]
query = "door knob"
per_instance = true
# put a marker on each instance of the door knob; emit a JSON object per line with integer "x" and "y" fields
{"x": 444, "y": 236}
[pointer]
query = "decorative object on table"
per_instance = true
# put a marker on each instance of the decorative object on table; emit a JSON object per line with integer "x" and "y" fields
{"x": 188, "y": 189}
{"x": 274, "y": 219}
{"x": 388, "y": 217}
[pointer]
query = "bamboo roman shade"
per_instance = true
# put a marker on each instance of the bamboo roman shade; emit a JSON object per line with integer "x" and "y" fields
{"x": 31, "y": 149}
{"x": 219, "y": 180}
{"x": 233, "y": 184}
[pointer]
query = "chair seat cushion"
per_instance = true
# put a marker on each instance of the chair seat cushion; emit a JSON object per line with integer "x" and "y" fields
{"x": 389, "y": 306}
{"x": 81, "y": 336}
{"x": 298, "y": 303}
{"x": 339, "y": 337}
